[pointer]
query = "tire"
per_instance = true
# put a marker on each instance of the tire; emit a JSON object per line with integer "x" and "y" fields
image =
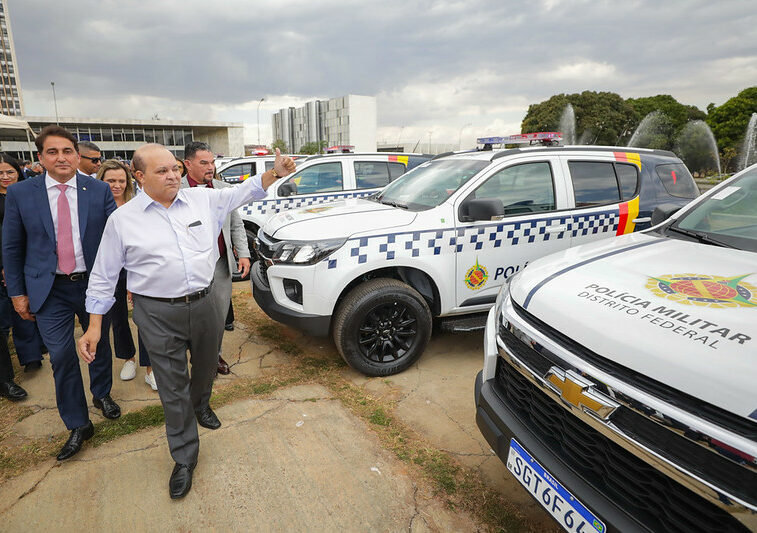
{"x": 252, "y": 233}
{"x": 382, "y": 327}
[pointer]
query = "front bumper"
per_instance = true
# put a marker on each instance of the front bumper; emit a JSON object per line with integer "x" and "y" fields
{"x": 498, "y": 424}
{"x": 314, "y": 325}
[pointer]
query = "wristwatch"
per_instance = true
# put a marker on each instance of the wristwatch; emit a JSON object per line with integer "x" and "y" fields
{"x": 275, "y": 174}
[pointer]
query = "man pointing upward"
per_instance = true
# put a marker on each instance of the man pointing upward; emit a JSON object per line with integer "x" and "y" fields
{"x": 170, "y": 271}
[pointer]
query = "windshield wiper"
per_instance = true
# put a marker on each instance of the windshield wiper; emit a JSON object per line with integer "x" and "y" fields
{"x": 394, "y": 204}
{"x": 701, "y": 237}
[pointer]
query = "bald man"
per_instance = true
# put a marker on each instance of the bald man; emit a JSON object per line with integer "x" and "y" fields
{"x": 170, "y": 273}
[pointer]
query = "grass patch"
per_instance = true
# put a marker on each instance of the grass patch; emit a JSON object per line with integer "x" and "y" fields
{"x": 379, "y": 417}
{"x": 128, "y": 423}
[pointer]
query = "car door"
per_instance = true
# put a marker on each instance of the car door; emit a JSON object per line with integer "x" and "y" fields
{"x": 535, "y": 223}
{"x": 605, "y": 193}
{"x": 315, "y": 184}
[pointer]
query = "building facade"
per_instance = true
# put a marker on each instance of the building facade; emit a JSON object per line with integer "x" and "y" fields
{"x": 119, "y": 137}
{"x": 11, "y": 102}
{"x": 348, "y": 120}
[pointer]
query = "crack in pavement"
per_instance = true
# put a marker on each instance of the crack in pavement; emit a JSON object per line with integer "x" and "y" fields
{"x": 463, "y": 429}
{"x": 32, "y": 488}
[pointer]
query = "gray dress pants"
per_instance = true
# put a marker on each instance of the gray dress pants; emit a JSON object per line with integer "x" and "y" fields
{"x": 222, "y": 291}
{"x": 168, "y": 331}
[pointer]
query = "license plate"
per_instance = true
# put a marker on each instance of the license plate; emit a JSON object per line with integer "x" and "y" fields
{"x": 562, "y": 505}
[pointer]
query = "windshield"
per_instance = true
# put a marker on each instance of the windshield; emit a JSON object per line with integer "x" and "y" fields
{"x": 728, "y": 217}
{"x": 430, "y": 184}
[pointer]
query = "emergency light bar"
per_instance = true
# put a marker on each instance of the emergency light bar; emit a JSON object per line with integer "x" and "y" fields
{"x": 546, "y": 138}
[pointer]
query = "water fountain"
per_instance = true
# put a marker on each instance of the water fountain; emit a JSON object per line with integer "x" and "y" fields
{"x": 568, "y": 125}
{"x": 654, "y": 129}
{"x": 586, "y": 137}
{"x": 697, "y": 147}
{"x": 748, "y": 149}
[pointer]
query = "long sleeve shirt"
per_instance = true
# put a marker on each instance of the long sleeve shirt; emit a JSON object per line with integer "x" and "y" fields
{"x": 167, "y": 252}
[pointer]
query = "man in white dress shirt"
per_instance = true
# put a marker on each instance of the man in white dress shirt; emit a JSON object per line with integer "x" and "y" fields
{"x": 167, "y": 240}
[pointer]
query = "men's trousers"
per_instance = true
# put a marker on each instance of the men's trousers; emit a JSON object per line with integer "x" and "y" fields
{"x": 222, "y": 291}
{"x": 123, "y": 343}
{"x": 56, "y": 325}
{"x": 26, "y": 336}
{"x": 168, "y": 331}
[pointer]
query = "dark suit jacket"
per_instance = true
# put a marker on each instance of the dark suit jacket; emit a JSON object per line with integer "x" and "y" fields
{"x": 29, "y": 243}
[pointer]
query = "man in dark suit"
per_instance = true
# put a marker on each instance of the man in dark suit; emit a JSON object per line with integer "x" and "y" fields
{"x": 52, "y": 229}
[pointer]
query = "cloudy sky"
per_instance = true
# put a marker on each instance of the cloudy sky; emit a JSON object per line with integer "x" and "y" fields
{"x": 450, "y": 68}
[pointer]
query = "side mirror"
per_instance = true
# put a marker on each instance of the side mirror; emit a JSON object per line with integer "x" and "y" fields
{"x": 482, "y": 209}
{"x": 288, "y": 189}
{"x": 663, "y": 212}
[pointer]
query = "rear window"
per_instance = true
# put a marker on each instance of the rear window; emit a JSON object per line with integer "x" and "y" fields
{"x": 594, "y": 183}
{"x": 371, "y": 174}
{"x": 677, "y": 181}
{"x": 628, "y": 177}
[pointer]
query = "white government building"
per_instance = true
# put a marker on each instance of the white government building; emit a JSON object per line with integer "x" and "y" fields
{"x": 345, "y": 121}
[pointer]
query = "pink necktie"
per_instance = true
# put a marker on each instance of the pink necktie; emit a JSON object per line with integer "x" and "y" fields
{"x": 66, "y": 258}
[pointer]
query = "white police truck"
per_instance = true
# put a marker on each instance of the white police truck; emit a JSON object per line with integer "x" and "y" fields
{"x": 441, "y": 240}
{"x": 318, "y": 179}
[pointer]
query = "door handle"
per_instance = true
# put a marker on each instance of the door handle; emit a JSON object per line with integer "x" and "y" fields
{"x": 641, "y": 220}
{"x": 556, "y": 229}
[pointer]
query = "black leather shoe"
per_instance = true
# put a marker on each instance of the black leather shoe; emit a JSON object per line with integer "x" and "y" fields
{"x": 74, "y": 442}
{"x": 109, "y": 408}
{"x": 9, "y": 389}
{"x": 229, "y": 326}
{"x": 223, "y": 367}
{"x": 208, "y": 419}
{"x": 33, "y": 366}
{"x": 181, "y": 481}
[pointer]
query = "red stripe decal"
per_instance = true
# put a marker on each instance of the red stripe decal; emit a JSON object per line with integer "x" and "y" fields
{"x": 621, "y": 156}
{"x": 623, "y": 218}
{"x": 392, "y": 158}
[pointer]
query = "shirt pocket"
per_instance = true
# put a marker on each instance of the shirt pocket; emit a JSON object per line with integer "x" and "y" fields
{"x": 198, "y": 238}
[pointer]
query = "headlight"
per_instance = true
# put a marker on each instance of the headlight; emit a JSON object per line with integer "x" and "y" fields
{"x": 304, "y": 252}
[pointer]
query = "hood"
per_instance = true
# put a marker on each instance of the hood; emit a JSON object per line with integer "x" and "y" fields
{"x": 680, "y": 312}
{"x": 336, "y": 220}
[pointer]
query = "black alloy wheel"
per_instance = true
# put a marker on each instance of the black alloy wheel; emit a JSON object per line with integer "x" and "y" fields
{"x": 382, "y": 327}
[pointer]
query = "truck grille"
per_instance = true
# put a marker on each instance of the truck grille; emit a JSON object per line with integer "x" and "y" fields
{"x": 658, "y": 502}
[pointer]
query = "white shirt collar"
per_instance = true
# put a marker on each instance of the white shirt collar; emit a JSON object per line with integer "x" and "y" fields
{"x": 50, "y": 182}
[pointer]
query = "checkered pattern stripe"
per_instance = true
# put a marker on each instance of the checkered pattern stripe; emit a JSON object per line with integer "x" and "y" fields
{"x": 471, "y": 238}
{"x": 273, "y": 206}
{"x": 594, "y": 223}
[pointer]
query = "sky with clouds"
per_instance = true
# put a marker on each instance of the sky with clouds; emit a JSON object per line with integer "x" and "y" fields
{"x": 455, "y": 69}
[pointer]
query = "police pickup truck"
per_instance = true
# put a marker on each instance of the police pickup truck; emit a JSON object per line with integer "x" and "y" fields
{"x": 319, "y": 179}
{"x": 441, "y": 240}
{"x": 619, "y": 377}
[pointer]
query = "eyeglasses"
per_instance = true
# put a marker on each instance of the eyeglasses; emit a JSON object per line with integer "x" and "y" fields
{"x": 93, "y": 159}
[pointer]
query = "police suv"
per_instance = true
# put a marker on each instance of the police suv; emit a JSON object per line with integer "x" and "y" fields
{"x": 441, "y": 240}
{"x": 320, "y": 179}
{"x": 619, "y": 377}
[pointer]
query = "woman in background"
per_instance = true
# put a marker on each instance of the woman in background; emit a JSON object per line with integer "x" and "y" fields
{"x": 119, "y": 177}
{"x": 26, "y": 337}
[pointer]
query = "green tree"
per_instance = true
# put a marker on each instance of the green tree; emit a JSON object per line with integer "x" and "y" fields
{"x": 313, "y": 147}
{"x": 280, "y": 144}
{"x": 728, "y": 122}
{"x": 601, "y": 117}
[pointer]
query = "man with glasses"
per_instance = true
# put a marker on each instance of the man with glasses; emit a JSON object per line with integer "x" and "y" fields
{"x": 90, "y": 158}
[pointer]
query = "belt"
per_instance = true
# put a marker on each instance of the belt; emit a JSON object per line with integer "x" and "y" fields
{"x": 182, "y": 299}
{"x": 73, "y": 276}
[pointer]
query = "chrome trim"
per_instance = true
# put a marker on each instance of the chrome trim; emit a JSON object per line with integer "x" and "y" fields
{"x": 664, "y": 415}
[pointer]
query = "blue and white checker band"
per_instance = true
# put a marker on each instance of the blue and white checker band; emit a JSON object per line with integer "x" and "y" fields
{"x": 409, "y": 244}
{"x": 273, "y": 206}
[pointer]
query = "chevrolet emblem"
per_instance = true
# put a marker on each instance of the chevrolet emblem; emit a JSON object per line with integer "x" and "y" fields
{"x": 580, "y": 392}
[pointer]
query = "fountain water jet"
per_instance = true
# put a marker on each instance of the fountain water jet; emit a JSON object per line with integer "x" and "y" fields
{"x": 651, "y": 130}
{"x": 748, "y": 149}
{"x": 697, "y": 147}
{"x": 568, "y": 125}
